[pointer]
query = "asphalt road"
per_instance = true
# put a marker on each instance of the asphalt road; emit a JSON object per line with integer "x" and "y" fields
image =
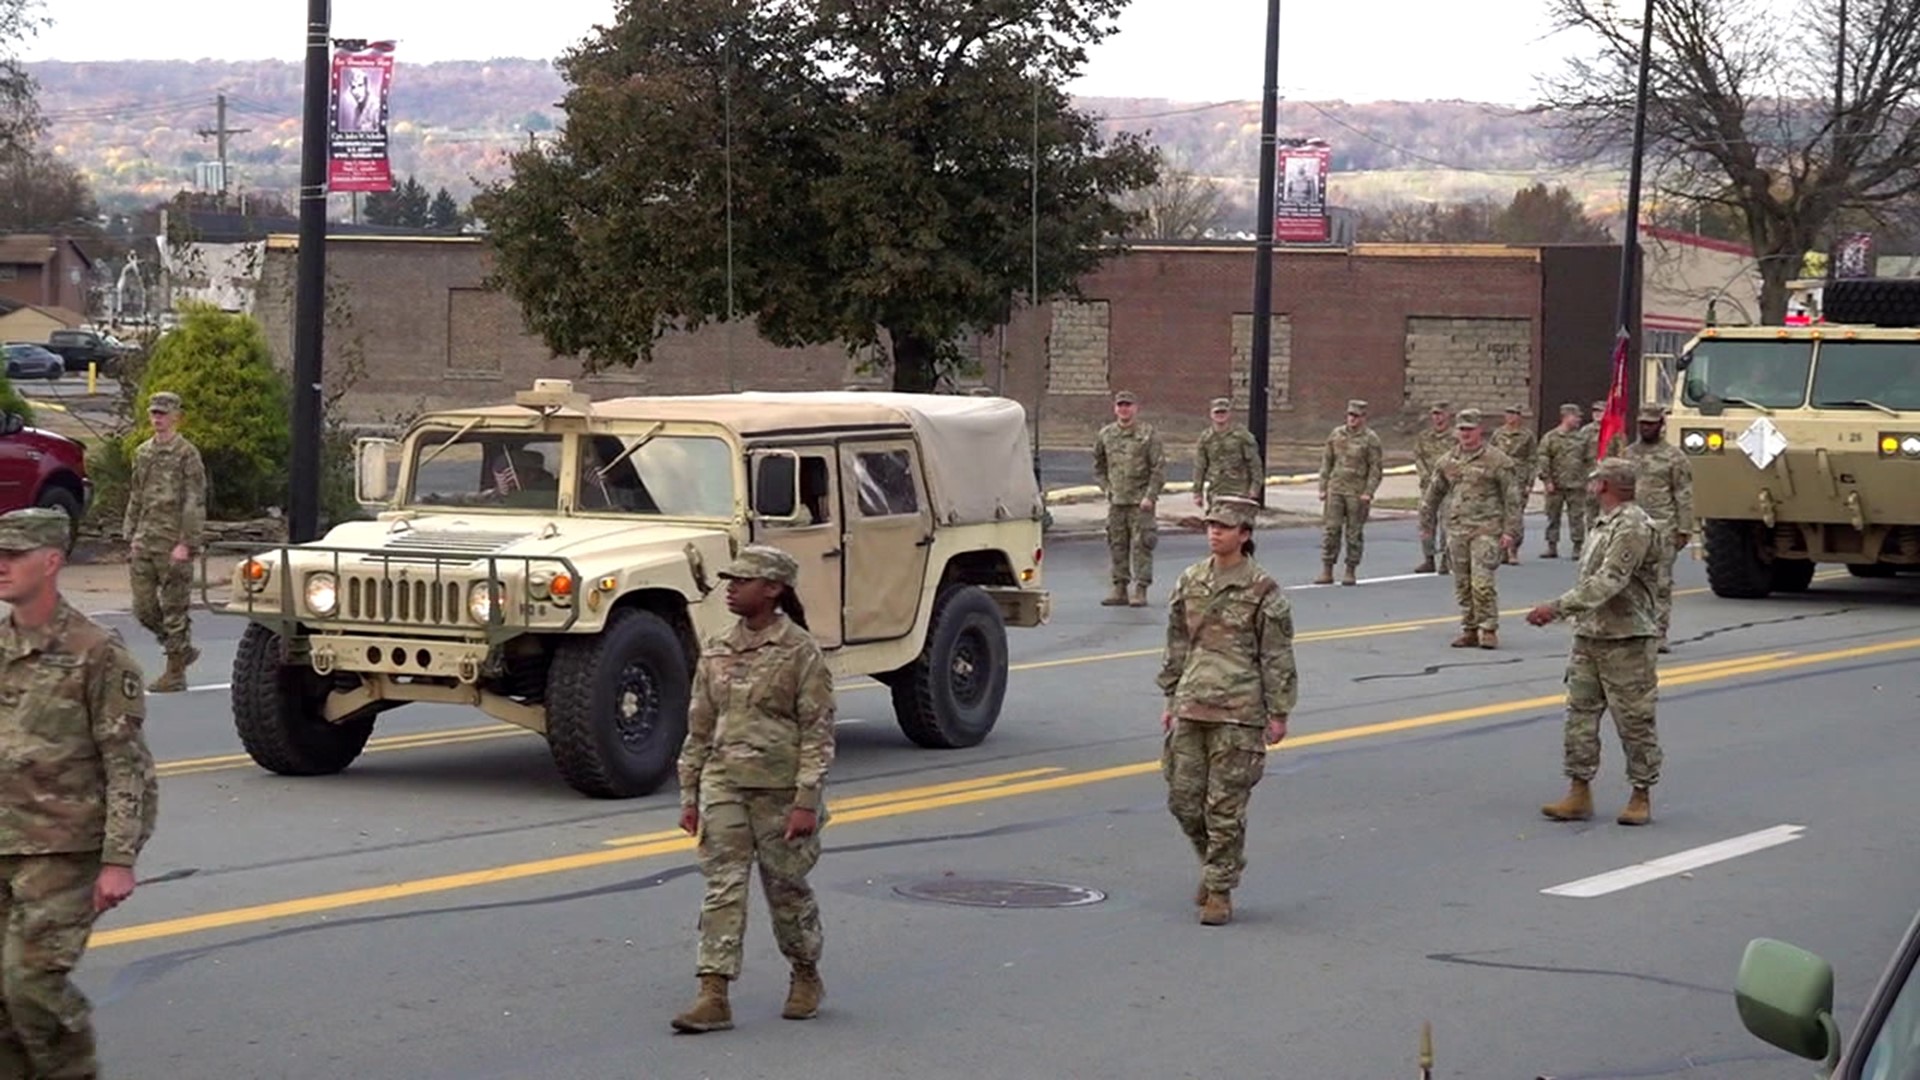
{"x": 448, "y": 908}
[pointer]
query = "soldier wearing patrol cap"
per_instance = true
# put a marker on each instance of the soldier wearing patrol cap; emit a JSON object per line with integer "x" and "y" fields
{"x": 1130, "y": 466}
{"x": 1350, "y": 470}
{"x": 1666, "y": 494}
{"x": 1225, "y": 460}
{"x": 1564, "y": 466}
{"x": 1483, "y": 520}
{"x": 752, "y": 773}
{"x": 1615, "y": 638}
{"x": 1516, "y": 440}
{"x": 1591, "y": 435}
{"x": 77, "y": 803}
{"x": 1434, "y": 442}
{"x": 166, "y": 515}
{"x": 1230, "y": 683}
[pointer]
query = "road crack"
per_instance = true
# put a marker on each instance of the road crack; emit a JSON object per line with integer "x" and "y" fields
{"x": 1435, "y": 669}
{"x": 1757, "y": 623}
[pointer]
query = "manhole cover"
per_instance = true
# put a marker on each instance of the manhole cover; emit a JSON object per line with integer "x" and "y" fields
{"x": 1002, "y": 894}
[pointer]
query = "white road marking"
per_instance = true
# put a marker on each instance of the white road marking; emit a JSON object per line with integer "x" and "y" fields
{"x": 1367, "y": 581}
{"x": 1692, "y": 859}
{"x": 210, "y": 686}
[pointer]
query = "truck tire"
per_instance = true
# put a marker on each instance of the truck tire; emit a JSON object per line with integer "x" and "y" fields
{"x": 1792, "y": 575}
{"x": 1734, "y": 567}
{"x": 277, "y": 712}
{"x": 1872, "y": 301}
{"x": 950, "y": 696}
{"x": 617, "y": 706}
{"x": 59, "y": 498}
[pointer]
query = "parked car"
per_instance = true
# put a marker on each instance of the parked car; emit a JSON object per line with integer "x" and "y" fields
{"x": 82, "y": 347}
{"x": 26, "y": 360}
{"x": 42, "y": 468}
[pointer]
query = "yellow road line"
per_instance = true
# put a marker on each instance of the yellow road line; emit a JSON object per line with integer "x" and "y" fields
{"x": 894, "y": 804}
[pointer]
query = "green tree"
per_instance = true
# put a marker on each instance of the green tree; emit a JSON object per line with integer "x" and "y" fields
{"x": 833, "y": 173}
{"x": 235, "y": 404}
{"x": 20, "y": 119}
{"x": 12, "y": 402}
{"x": 45, "y": 193}
{"x": 1539, "y": 216}
{"x": 407, "y": 205}
{"x": 445, "y": 213}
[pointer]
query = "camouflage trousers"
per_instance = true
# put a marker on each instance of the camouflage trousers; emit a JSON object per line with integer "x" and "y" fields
{"x": 1476, "y": 559}
{"x": 47, "y": 903}
{"x": 1344, "y": 514}
{"x": 1575, "y": 509}
{"x": 162, "y": 596}
{"x": 1663, "y": 585}
{"x": 1615, "y": 675}
{"x": 1211, "y": 769}
{"x": 749, "y": 828}
{"x": 1132, "y": 534}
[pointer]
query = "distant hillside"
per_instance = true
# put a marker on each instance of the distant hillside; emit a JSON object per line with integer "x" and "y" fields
{"x": 134, "y": 127}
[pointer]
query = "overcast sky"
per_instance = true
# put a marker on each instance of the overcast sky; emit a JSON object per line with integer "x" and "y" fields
{"x": 1187, "y": 50}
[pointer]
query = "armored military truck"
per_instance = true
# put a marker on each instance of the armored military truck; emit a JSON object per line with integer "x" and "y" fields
{"x": 1804, "y": 440}
{"x": 552, "y": 562}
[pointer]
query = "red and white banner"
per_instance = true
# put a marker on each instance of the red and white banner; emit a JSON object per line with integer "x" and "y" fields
{"x": 1300, "y": 197}
{"x": 357, "y": 141}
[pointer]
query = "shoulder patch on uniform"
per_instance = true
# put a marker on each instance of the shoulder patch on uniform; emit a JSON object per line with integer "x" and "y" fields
{"x": 130, "y": 685}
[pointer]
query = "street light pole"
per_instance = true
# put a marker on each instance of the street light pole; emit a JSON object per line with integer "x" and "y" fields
{"x": 1261, "y": 352}
{"x": 310, "y": 293}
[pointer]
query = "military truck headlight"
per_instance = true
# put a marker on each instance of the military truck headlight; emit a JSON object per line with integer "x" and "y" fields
{"x": 1900, "y": 444}
{"x": 1694, "y": 441}
{"x": 323, "y": 593}
{"x": 1910, "y": 446}
{"x": 1702, "y": 441}
{"x": 484, "y": 599}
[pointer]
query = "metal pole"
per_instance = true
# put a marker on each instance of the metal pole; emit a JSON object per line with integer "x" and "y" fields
{"x": 303, "y": 474}
{"x": 1263, "y": 248}
{"x": 1033, "y": 283}
{"x": 1630, "y": 244}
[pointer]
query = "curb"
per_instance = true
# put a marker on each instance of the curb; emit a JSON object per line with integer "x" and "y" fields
{"x": 1089, "y": 492}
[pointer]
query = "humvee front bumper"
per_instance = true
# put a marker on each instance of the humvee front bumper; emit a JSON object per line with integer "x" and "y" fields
{"x": 456, "y": 658}
{"x": 1022, "y": 607}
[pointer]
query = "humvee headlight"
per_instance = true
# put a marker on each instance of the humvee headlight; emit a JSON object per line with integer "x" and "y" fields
{"x": 1694, "y": 441}
{"x": 323, "y": 593}
{"x": 483, "y": 599}
{"x": 254, "y": 574}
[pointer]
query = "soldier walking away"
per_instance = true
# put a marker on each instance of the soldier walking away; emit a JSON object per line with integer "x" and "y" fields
{"x": 1229, "y": 677}
{"x": 1130, "y": 466}
{"x": 1432, "y": 444}
{"x": 77, "y": 803}
{"x": 1611, "y": 664}
{"x": 1517, "y": 442}
{"x": 1350, "y": 472}
{"x": 1226, "y": 461}
{"x": 1483, "y": 520}
{"x": 166, "y": 516}
{"x": 1564, "y": 468}
{"x": 1666, "y": 494}
{"x": 759, "y": 743}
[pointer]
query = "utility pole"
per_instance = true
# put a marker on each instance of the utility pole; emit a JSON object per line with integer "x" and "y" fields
{"x": 1263, "y": 249}
{"x": 218, "y": 133}
{"x": 303, "y": 473}
{"x": 1630, "y": 245}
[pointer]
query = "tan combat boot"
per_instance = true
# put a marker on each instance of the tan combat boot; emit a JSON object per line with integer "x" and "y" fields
{"x": 1117, "y": 596}
{"x": 1489, "y": 639}
{"x": 1349, "y": 577}
{"x": 1326, "y": 574}
{"x": 174, "y": 679}
{"x": 1218, "y": 910}
{"x": 1467, "y": 639}
{"x": 1139, "y": 597}
{"x": 804, "y": 993}
{"x": 1577, "y": 806}
{"x": 1639, "y": 809}
{"x": 709, "y": 1011}
{"x": 1425, "y": 567}
{"x": 1200, "y": 895}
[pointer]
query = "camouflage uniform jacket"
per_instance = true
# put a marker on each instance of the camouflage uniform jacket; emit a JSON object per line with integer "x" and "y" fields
{"x": 1226, "y": 462}
{"x": 1619, "y": 576}
{"x": 1486, "y": 495}
{"x": 75, "y": 771}
{"x": 1351, "y": 463}
{"x": 761, "y": 716}
{"x": 1229, "y": 655}
{"x": 1521, "y": 445}
{"x": 1565, "y": 460}
{"x": 1428, "y": 448}
{"x": 1665, "y": 484}
{"x": 1129, "y": 464}
{"x": 167, "y": 497}
{"x": 1590, "y": 441}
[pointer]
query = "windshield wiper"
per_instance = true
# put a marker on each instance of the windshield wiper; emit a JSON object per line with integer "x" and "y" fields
{"x": 1868, "y": 402}
{"x": 605, "y": 470}
{"x": 451, "y": 439}
{"x": 1729, "y": 399}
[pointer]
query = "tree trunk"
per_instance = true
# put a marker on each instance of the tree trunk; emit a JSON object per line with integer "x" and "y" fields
{"x": 1773, "y": 292}
{"x": 913, "y": 363}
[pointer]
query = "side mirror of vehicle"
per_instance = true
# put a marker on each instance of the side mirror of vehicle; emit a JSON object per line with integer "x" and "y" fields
{"x": 373, "y": 470}
{"x": 13, "y": 424}
{"x": 776, "y": 487}
{"x": 1785, "y": 996}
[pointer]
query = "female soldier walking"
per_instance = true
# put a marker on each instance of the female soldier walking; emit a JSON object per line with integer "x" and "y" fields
{"x": 759, "y": 741}
{"x": 1230, "y": 683}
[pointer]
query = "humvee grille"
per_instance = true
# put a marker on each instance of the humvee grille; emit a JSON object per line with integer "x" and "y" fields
{"x": 431, "y": 603}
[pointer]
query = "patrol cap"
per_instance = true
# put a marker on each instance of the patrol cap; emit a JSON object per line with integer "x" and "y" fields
{"x": 1232, "y": 511}
{"x": 1441, "y": 406}
{"x": 1357, "y": 406}
{"x": 33, "y": 528}
{"x": 1616, "y": 471}
{"x": 1569, "y": 409}
{"x": 763, "y": 563}
{"x": 1516, "y": 410}
{"x": 1653, "y": 414}
{"x": 1600, "y": 405}
{"x": 1221, "y": 404}
{"x": 163, "y": 401}
{"x": 1468, "y": 418}
{"x": 1124, "y": 397}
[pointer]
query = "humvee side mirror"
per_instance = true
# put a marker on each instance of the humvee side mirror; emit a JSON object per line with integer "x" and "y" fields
{"x": 373, "y": 460}
{"x": 776, "y": 486}
{"x": 1785, "y": 996}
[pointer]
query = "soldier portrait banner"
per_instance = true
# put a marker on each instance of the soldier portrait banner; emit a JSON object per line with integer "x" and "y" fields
{"x": 357, "y": 141}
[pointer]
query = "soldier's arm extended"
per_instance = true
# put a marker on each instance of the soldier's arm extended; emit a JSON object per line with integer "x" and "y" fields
{"x": 814, "y": 710}
{"x": 1626, "y": 549}
{"x": 193, "y": 504}
{"x": 699, "y": 744}
{"x": 1279, "y": 678}
{"x": 1376, "y": 466}
{"x": 1156, "y": 465}
{"x": 117, "y": 709}
{"x": 1173, "y": 662}
{"x": 1682, "y": 495}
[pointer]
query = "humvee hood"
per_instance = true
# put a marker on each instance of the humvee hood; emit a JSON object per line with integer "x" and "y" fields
{"x": 480, "y": 536}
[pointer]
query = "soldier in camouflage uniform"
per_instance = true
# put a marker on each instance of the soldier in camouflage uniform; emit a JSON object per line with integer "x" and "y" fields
{"x": 77, "y": 798}
{"x": 1591, "y": 441}
{"x": 759, "y": 743}
{"x": 1226, "y": 461}
{"x": 1130, "y": 465}
{"x": 1432, "y": 444}
{"x": 166, "y": 515}
{"x": 1611, "y": 665}
{"x": 1483, "y": 520}
{"x": 1666, "y": 494}
{"x": 1350, "y": 472}
{"x": 1230, "y": 682}
{"x": 1564, "y": 467}
{"x": 1517, "y": 441}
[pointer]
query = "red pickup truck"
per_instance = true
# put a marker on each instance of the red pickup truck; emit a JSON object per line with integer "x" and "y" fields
{"x": 41, "y": 468}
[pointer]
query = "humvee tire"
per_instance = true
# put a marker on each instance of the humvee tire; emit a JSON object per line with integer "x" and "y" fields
{"x": 617, "y": 706}
{"x": 1792, "y": 575}
{"x": 1871, "y": 570}
{"x": 277, "y": 711}
{"x": 1734, "y": 567}
{"x": 950, "y": 696}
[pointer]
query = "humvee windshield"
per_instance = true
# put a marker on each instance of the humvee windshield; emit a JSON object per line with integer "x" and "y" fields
{"x": 509, "y": 470}
{"x": 670, "y": 475}
{"x": 1769, "y": 374}
{"x": 1863, "y": 374}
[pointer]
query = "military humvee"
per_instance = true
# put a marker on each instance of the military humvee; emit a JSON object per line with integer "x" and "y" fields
{"x": 553, "y": 563}
{"x": 1804, "y": 440}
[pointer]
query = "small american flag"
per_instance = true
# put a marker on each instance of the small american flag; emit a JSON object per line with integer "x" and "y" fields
{"x": 504, "y": 478}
